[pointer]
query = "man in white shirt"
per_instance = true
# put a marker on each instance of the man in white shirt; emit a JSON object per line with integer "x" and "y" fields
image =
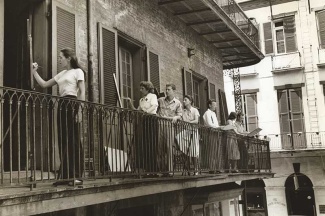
{"x": 213, "y": 142}
{"x": 210, "y": 117}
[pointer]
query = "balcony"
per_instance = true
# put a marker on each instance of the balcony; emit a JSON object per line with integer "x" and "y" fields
{"x": 223, "y": 24}
{"x": 321, "y": 58}
{"x": 118, "y": 151}
{"x": 114, "y": 142}
{"x": 296, "y": 141}
{"x": 286, "y": 62}
{"x": 248, "y": 71}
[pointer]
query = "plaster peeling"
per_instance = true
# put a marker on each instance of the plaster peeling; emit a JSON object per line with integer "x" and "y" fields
{"x": 121, "y": 14}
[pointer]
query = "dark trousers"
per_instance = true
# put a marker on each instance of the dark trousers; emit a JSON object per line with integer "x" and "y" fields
{"x": 70, "y": 148}
{"x": 146, "y": 135}
{"x": 243, "y": 161}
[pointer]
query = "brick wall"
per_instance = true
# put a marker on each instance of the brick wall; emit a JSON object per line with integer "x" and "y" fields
{"x": 161, "y": 32}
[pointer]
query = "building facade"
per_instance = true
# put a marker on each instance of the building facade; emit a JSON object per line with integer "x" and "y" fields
{"x": 284, "y": 95}
{"x": 119, "y": 43}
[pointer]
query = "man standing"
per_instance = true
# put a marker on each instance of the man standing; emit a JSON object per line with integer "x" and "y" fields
{"x": 210, "y": 117}
{"x": 169, "y": 108}
{"x": 213, "y": 147}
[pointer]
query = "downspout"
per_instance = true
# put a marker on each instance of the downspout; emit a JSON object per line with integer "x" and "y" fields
{"x": 90, "y": 52}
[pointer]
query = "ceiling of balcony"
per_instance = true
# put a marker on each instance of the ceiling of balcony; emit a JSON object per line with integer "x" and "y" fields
{"x": 235, "y": 47}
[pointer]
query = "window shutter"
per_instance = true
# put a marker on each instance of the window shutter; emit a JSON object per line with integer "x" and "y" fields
{"x": 251, "y": 111}
{"x": 154, "y": 70}
{"x": 268, "y": 40}
{"x": 223, "y": 107}
{"x": 108, "y": 57}
{"x": 188, "y": 82}
{"x": 66, "y": 34}
{"x": 284, "y": 111}
{"x": 321, "y": 28}
{"x": 212, "y": 91}
{"x": 290, "y": 33}
{"x": 296, "y": 110}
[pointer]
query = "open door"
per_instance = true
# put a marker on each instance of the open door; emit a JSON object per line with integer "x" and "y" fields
{"x": 25, "y": 132}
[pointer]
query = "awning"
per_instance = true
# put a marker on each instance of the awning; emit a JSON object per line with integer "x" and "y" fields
{"x": 224, "y": 25}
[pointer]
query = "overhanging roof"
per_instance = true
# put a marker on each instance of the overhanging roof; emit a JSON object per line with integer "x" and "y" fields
{"x": 225, "y": 26}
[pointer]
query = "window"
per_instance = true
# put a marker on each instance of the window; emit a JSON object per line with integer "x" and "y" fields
{"x": 250, "y": 111}
{"x": 195, "y": 85}
{"x": 291, "y": 118}
{"x": 280, "y": 36}
{"x": 196, "y": 92}
{"x": 123, "y": 56}
{"x": 254, "y": 198}
{"x": 321, "y": 28}
{"x": 126, "y": 73}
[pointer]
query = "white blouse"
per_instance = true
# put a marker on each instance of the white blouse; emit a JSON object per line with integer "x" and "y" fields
{"x": 149, "y": 103}
{"x": 68, "y": 81}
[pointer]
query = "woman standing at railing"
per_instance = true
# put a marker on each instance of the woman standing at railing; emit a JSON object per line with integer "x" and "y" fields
{"x": 242, "y": 142}
{"x": 71, "y": 82}
{"x": 146, "y": 129}
{"x": 232, "y": 145}
{"x": 188, "y": 137}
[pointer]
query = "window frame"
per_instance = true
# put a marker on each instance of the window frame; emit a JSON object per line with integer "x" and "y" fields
{"x": 321, "y": 46}
{"x": 121, "y": 60}
{"x": 244, "y": 105}
{"x": 274, "y": 32}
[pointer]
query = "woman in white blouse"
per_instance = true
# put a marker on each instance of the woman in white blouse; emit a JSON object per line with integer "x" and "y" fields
{"x": 149, "y": 102}
{"x": 188, "y": 138}
{"x": 146, "y": 129}
{"x": 71, "y": 82}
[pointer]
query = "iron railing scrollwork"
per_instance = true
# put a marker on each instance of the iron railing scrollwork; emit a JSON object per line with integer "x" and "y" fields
{"x": 45, "y": 137}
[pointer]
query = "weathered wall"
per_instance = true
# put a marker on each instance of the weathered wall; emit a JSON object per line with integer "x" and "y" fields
{"x": 161, "y": 32}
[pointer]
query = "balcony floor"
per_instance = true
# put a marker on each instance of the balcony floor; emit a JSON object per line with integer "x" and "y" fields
{"x": 44, "y": 198}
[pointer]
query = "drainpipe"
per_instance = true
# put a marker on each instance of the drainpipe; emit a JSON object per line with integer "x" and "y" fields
{"x": 90, "y": 52}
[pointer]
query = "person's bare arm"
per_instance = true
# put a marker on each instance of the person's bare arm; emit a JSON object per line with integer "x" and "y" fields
{"x": 40, "y": 80}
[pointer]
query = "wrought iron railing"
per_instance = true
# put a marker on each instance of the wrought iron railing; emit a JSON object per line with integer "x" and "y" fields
{"x": 296, "y": 141}
{"x": 238, "y": 16}
{"x": 44, "y": 138}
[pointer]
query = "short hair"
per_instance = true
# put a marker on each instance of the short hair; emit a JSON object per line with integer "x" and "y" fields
{"x": 239, "y": 114}
{"x": 232, "y": 116}
{"x": 189, "y": 97}
{"x": 171, "y": 85}
{"x": 210, "y": 101}
{"x": 147, "y": 85}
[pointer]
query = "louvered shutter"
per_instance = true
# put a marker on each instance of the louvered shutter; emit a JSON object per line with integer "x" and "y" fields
{"x": 284, "y": 111}
{"x": 66, "y": 34}
{"x": 188, "y": 82}
{"x": 289, "y": 26}
{"x": 251, "y": 111}
{"x": 108, "y": 59}
{"x": 212, "y": 91}
{"x": 223, "y": 107}
{"x": 321, "y": 28}
{"x": 268, "y": 40}
{"x": 154, "y": 70}
{"x": 296, "y": 110}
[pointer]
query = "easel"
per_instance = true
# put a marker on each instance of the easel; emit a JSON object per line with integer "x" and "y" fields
{"x": 124, "y": 126}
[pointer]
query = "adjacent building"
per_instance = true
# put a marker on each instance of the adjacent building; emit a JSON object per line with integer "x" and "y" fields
{"x": 284, "y": 95}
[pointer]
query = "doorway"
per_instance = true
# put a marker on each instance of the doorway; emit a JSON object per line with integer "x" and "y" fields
{"x": 300, "y": 195}
{"x": 17, "y": 114}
